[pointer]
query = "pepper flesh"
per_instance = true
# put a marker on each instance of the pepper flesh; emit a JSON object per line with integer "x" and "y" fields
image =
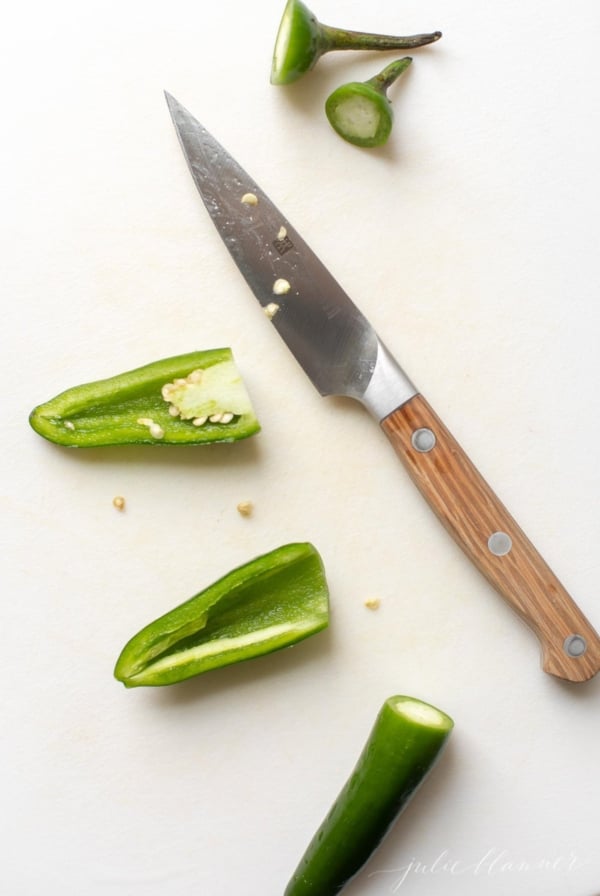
{"x": 274, "y": 601}
{"x": 302, "y": 40}
{"x": 136, "y": 407}
{"x": 403, "y": 746}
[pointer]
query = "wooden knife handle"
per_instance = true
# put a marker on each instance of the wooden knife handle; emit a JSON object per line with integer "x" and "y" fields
{"x": 488, "y": 534}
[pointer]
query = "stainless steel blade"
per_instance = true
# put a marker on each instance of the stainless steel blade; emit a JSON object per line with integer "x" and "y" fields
{"x": 329, "y": 336}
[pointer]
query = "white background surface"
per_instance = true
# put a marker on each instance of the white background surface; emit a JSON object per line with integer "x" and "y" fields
{"x": 471, "y": 242}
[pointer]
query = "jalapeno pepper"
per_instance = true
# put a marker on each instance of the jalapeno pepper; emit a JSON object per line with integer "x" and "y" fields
{"x": 194, "y": 398}
{"x": 404, "y": 744}
{"x": 271, "y": 602}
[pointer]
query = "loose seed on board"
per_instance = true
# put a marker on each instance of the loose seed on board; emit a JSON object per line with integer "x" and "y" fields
{"x": 245, "y": 508}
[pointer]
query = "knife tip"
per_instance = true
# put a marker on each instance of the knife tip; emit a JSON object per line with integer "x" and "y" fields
{"x": 173, "y": 104}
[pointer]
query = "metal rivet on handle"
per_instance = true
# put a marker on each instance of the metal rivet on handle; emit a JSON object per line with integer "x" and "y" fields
{"x": 575, "y": 645}
{"x": 423, "y": 440}
{"x": 499, "y": 543}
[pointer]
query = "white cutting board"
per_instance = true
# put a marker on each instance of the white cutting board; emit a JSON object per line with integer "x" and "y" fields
{"x": 471, "y": 242}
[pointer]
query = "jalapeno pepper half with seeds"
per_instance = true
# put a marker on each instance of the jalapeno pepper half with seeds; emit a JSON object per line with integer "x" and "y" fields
{"x": 194, "y": 398}
{"x": 271, "y": 602}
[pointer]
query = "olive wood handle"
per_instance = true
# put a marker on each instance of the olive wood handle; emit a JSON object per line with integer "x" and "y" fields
{"x": 488, "y": 534}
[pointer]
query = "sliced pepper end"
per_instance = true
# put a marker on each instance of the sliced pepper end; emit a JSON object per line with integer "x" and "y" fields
{"x": 360, "y": 113}
{"x": 191, "y": 399}
{"x": 406, "y": 740}
{"x": 272, "y": 602}
{"x": 420, "y": 714}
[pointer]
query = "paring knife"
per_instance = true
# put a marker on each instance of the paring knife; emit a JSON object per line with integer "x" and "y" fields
{"x": 342, "y": 355}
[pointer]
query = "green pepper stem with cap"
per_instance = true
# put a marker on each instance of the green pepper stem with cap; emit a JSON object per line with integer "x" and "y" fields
{"x": 302, "y": 40}
{"x": 403, "y": 746}
{"x": 360, "y": 111}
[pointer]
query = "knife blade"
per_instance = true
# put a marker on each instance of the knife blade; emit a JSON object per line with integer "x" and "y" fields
{"x": 343, "y": 355}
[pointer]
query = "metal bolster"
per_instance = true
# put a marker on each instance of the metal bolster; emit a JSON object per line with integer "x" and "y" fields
{"x": 389, "y": 386}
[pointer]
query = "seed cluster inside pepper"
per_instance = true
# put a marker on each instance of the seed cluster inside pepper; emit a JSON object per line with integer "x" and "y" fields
{"x": 209, "y": 394}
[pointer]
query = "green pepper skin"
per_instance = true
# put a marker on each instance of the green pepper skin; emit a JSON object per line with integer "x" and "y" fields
{"x": 111, "y": 411}
{"x": 404, "y": 744}
{"x": 370, "y": 97}
{"x": 274, "y": 601}
{"x": 302, "y": 40}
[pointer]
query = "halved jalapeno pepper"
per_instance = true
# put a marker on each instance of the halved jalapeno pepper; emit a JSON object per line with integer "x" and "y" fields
{"x": 194, "y": 398}
{"x": 271, "y": 602}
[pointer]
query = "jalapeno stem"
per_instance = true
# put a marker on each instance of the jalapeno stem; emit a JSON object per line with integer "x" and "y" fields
{"x": 302, "y": 40}
{"x": 384, "y": 80}
{"x": 341, "y": 39}
{"x": 360, "y": 111}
